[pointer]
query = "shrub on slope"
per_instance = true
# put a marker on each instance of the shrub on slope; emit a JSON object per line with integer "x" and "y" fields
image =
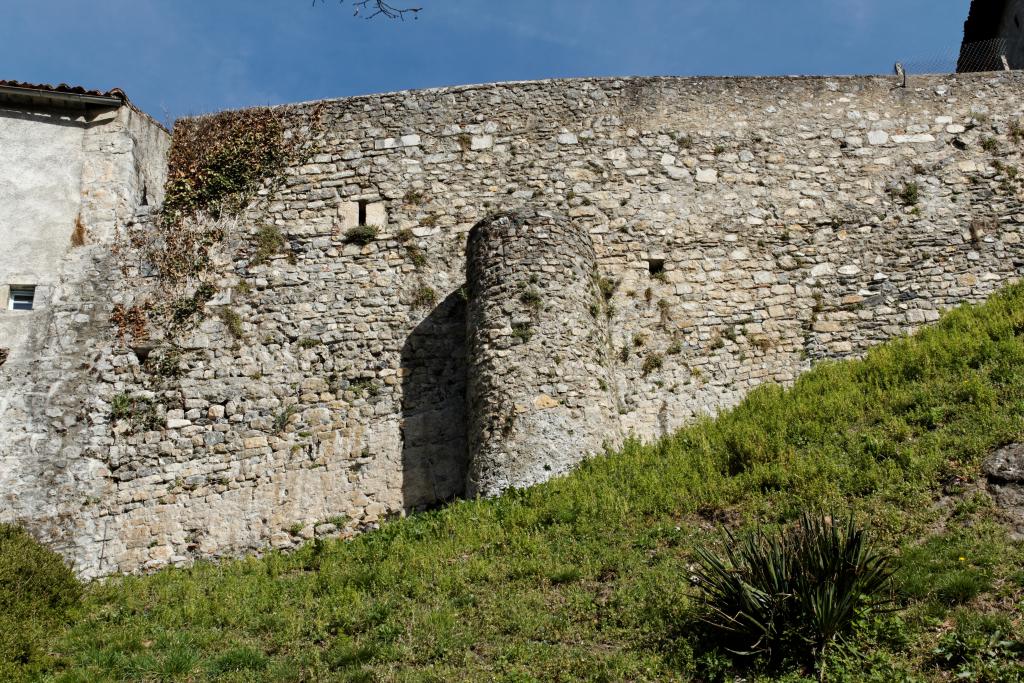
{"x": 36, "y": 591}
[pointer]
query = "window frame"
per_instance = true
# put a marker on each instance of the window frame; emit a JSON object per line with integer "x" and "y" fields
{"x": 19, "y": 295}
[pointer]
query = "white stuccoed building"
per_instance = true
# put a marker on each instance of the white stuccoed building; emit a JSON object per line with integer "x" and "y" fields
{"x": 73, "y": 164}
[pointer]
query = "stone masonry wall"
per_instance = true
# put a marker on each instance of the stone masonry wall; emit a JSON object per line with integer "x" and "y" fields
{"x": 741, "y": 230}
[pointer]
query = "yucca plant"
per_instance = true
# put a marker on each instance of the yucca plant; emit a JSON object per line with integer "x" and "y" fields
{"x": 792, "y": 593}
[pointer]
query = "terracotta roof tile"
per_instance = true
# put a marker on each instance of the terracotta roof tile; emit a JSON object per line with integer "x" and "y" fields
{"x": 65, "y": 88}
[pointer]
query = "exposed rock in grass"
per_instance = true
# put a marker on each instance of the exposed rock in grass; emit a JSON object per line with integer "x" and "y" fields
{"x": 1004, "y": 472}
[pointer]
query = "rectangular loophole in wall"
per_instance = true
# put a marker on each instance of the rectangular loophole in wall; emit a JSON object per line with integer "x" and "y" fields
{"x": 656, "y": 266}
{"x": 21, "y": 298}
{"x": 362, "y": 212}
{"x": 3, "y": 356}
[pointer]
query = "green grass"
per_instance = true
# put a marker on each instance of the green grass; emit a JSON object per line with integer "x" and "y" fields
{"x": 586, "y": 577}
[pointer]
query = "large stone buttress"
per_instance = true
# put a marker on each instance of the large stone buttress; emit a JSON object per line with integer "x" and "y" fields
{"x": 539, "y": 382}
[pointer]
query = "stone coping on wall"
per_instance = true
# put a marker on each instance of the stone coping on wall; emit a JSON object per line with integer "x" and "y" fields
{"x": 707, "y": 82}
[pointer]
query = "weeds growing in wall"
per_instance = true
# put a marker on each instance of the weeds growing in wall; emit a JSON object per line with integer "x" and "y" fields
{"x": 361, "y": 235}
{"x": 424, "y": 296}
{"x": 139, "y": 412}
{"x": 269, "y": 241}
{"x": 413, "y": 251}
{"x": 652, "y": 362}
{"x": 233, "y": 322}
{"x": 165, "y": 364}
{"x": 173, "y": 263}
{"x": 909, "y": 194}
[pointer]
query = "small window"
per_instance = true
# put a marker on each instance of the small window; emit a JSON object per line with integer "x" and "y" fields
{"x": 21, "y": 298}
{"x": 656, "y": 266}
{"x": 362, "y": 211}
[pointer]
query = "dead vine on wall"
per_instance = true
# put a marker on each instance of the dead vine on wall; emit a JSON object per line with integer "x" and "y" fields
{"x": 216, "y": 162}
{"x": 216, "y": 165}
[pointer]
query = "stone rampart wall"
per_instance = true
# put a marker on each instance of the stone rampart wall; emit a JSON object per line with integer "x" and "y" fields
{"x": 741, "y": 229}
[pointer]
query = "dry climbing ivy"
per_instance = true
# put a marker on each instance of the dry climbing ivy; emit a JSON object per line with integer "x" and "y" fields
{"x": 173, "y": 252}
{"x": 216, "y": 165}
{"x": 130, "y": 322}
{"x": 216, "y": 162}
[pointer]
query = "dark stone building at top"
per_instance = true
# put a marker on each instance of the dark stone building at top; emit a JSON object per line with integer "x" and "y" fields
{"x": 993, "y": 30}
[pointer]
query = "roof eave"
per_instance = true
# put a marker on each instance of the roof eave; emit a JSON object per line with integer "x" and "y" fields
{"x": 75, "y": 100}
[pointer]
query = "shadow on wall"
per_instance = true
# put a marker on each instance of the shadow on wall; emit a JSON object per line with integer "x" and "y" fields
{"x": 434, "y": 454}
{"x": 49, "y": 117}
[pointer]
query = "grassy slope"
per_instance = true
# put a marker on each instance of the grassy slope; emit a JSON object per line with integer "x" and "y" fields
{"x": 585, "y": 578}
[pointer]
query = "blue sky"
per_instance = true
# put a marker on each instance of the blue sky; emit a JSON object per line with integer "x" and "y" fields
{"x": 180, "y": 57}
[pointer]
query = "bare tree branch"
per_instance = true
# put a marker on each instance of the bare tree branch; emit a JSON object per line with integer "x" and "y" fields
{"x": 373, "y": 8}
